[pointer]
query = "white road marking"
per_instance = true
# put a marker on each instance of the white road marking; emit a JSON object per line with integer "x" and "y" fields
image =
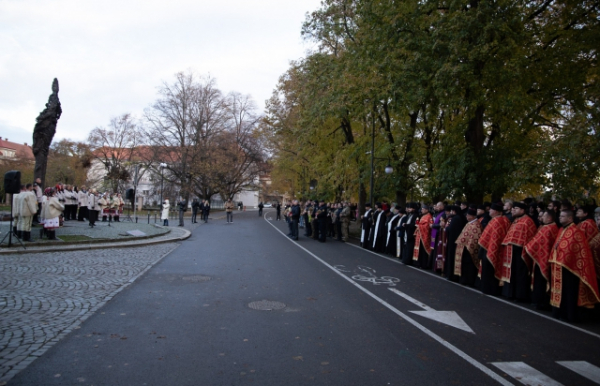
{"x": 450, "y": 318}
{"x": 480, "y": 293}
{"x": 583, "y": 368}
{"x": 419, "y": 326}
{"x": 368, "y": 274}
{"x": 525, "y": 374}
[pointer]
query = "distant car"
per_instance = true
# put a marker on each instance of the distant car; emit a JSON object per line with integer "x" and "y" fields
{"x": 268, "y": 206}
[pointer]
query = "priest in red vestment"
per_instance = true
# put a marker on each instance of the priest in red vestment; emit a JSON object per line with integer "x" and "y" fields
{"x": 572, "y": 271}
{"x": 490, "y": 244}
{"x": 588, "y": 226}
{"x": 466, "y": 262}
{"x": 422, "y": 248}
{"x": 516, "y": 266}
{"x": 539, "y": 249}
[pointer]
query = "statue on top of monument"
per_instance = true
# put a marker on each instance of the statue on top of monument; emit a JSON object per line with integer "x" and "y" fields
{"x": 44, "y": 131}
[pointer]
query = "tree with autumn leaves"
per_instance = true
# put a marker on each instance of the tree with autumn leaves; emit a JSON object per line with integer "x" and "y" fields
{"x": 475, "y": 100}
{"x": 207, "y": 141}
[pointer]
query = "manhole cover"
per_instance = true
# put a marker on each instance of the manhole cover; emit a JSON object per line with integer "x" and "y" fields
{"x": 266, "y": 305}
{"x": 196, "y": 278}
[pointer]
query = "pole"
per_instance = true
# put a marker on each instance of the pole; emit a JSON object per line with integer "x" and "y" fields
{"x": 372, "y": 159}
{"x": 10, "y": 230}
{"x": 135, "y": 192}
{"x": 161, "y": 185}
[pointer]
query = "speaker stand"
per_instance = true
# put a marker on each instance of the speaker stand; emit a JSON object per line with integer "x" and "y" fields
{"x": 11, "y": 232}
{"x": 128, "y": 217}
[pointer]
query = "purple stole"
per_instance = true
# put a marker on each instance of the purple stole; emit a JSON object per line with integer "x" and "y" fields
{"x": 434, "y": 230}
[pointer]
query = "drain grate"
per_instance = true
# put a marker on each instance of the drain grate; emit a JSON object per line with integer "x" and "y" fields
{"x": 266, "y": 305}
{"x": 197, "y": 278}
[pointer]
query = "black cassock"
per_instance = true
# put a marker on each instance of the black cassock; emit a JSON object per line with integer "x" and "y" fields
{"x": 409, "y": 239}
{"x": 391, "y": 241}
{"x": 401, "y": 232}
{"x": 379, "y": 232}
{"x": 520, "y": 281}
{"x": 469, "y": 271}
{"x": 454, "y": 230}
{"x": 366, "y": 229}
{"x": 489, "y": 284}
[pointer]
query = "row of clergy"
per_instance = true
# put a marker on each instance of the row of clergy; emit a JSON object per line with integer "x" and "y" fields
{"x": 553, "y": 265}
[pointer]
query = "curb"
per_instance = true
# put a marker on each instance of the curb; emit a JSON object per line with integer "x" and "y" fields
{"x": 77, "y": 323}
{"x": 100, "y": 245}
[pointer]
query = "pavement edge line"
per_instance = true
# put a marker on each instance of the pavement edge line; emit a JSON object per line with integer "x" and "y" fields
{"x": 482, "y": 294}
{"x": 45, "y": 347}
{"x": 92, "y": 246}
{"x": 416, "y": 324}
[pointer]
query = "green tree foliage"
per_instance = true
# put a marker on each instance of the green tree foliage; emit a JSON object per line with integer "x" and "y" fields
{"x": 68, "y": 162}
{"x": 467, "y": 99}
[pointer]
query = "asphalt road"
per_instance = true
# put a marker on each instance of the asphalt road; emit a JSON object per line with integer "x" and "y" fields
{"x": 348, "y": 320}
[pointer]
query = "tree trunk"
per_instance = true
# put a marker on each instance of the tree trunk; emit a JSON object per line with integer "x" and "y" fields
{"x": 362, "y": 197}
{"x": 401, "y": 198}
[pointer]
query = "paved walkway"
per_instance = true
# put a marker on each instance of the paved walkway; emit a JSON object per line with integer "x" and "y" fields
{"x": 48, "y": 290}
{"x": 78, "y": 235}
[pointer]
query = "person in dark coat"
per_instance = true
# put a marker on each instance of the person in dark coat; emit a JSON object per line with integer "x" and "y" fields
{"x": 366, "y": 221}
{"x": 409, "y": 233}
{"x": 322, "y": 219}
{"x": 392, "y": 239}
{"x": 378, "y": 230}
{"x": 195, "y": 208}
{"x": 260, "y": 208}
{"x": 295, "y": 218}
{"x": 307, "y": 214}
{"x": 182, "y": 206}
{"x": 454, "y": 228}
{"x": 205, "y": 210}
{"x": 400, "y": 229}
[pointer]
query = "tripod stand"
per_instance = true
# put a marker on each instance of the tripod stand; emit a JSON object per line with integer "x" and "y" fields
{"x": 128, "y": 217}
{"x": 11, "y": 232}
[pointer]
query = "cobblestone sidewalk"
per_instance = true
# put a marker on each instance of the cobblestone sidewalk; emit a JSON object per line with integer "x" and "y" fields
{"x": 43, "y": 297}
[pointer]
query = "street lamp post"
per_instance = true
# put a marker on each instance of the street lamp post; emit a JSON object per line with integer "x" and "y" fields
{"x": 388, "y": 169}
{"x": 162, "y": 167}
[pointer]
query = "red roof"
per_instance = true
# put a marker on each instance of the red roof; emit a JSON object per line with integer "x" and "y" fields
{"x": 23, "y": 151}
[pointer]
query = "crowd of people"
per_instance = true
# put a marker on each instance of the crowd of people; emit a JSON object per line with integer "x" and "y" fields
{"x": 530, "y": 252}
{"x": 526, "y": 251}
{"x": 319, "y": 219}
{"x": 53, "y": 206}
{"x": 548, "y": 255}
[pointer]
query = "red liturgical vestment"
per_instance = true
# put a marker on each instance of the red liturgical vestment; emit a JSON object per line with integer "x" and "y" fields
{"x": 468, "y": 238}
{"x": 539, "y": 248}
{"x": 571, "y": 251}
{"x": 491, "y": 241}
{"x": 593, "y": 237}
{"x": 423, "y": 235}
{"x": 521, "y": 231}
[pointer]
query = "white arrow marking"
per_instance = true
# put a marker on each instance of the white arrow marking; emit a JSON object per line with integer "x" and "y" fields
{"x": 450, "y": 318}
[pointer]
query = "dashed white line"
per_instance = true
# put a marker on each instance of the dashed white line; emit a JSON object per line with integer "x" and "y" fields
{"x": 526, "y": 374}
{"x": 422, "y": 328}
{"x": 583, "y": 368}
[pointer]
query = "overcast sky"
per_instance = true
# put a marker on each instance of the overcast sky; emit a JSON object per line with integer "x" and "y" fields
{"x": 110, "y": 56}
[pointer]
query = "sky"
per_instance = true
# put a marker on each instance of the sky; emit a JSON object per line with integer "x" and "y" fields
{"x": 111, "y": 56}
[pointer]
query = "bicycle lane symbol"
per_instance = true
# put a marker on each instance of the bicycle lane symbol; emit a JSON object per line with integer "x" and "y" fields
{"x": 368, "y": 274}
